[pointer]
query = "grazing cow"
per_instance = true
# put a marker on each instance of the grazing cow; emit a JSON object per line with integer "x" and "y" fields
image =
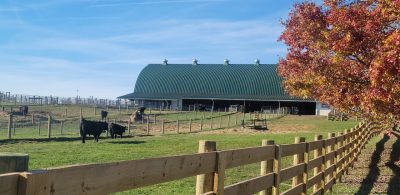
{"x": 94, "y": 128}
{"x": 104, "y": 115}
{"x": 115, "y": 129}
{"x": 23, "y": 110}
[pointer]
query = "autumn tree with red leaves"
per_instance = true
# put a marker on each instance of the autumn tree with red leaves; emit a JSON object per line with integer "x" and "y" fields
{"x": 345, "y": 53}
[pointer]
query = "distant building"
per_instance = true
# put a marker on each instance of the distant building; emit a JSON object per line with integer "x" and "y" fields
{"x": 217, "y": 86}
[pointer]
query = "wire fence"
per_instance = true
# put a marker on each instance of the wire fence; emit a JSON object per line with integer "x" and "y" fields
{"x": 56, "y": 121}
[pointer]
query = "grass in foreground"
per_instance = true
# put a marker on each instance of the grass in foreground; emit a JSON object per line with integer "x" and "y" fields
{"x": 69, "y": 150}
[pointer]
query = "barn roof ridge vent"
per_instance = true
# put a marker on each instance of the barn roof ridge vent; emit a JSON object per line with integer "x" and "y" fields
{"x": 226, "y": 62}
{"x": 195, "y": 62}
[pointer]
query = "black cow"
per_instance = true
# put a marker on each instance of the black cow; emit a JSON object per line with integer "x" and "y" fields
{"x": 94, "y": 128}
{"x": 23, "y": 110}
{"x": 115, "y": 129}
{"x": 104, "y": 115}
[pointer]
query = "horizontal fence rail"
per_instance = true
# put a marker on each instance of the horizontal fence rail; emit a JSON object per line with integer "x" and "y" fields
{"x": 316, "y": 164}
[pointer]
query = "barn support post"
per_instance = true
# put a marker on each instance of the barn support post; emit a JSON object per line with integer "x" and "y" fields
{"x": 49, "y": 126}
{"x": 205, "y": 182}
{"x": 267, "y": 166}
{"x": 94, "y": 110}
{"x": 10, "y": 121}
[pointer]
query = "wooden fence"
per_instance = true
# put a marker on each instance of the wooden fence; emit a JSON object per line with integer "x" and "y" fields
{"x": 328, "y": 159}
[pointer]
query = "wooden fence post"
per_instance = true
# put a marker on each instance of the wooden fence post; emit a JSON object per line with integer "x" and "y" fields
{"x": 267, "y": 166}
{"x": 340, "y": 156}
{"x": 219, "y": 176}
{"x": 10, "y": 121}
{"x": 162, "y": 126}
{"x": 236, "y": 119}
{"x": 129, "y": 126}
{"x": 318, "y": 169}
{"x": 39, "y": 125}
{"x": 14, "y": 128}
{"x": 352, "y": 140}
{"x": 229, "y": 120}
{"x": 220, "y": 121}
{"x": 177, "y": 126}
{"x": 155, "y": 119}
{"x": 62, "y": 127}
{"x": 201, "y": 124}
{"x": 277, "y": 170}
{"x": 49, "y": 126}
{"x": 190, "y": 125}
{"x": 211, "y": 121}
{"x": 33, "y": 119}
{"x": 66, "y": 112}
{"x": 347, "y": 149}
{"x": 298, "y": 159}
{"x": 204, "y": 182}
{"x": 148, "y": 126}
{"x": 331, "y": 162}
{"x": 94, "y": 110}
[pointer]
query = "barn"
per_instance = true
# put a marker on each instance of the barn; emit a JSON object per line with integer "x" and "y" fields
{"x": 217, "y": 86}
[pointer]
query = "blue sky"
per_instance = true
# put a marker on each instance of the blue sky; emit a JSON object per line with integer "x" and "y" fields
{"x": 54, "y": 47}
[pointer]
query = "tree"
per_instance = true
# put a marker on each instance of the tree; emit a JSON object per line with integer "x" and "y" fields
{"x": 345, "y": 53}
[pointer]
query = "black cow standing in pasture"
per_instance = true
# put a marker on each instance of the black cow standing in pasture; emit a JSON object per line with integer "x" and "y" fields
{"x": 94, "y": 128}
{"x": 115, "y": 129}
{"x": 23, "y": 110}
{"x": 104, "y": 115}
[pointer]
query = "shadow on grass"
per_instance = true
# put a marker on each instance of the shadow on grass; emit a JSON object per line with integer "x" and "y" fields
{"x": 370, "y": 179}
{"x": 127, "y": 142}
{"x": 57, "y": 139}
{"x": 54, "y": 139}
{"x": 395, "y": 158}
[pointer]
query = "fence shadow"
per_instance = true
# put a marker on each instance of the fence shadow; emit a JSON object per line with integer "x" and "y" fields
{"x": 369, "y": 180}
{"x": 394, "y": 183}
{"x": 128, "y": 142}
{"x": 58, "y": 139}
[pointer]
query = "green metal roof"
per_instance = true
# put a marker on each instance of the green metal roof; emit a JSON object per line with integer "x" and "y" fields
{"x": 209, "y": 81}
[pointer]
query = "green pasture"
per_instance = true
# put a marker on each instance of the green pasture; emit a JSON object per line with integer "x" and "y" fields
{"x": 67, "y": 149}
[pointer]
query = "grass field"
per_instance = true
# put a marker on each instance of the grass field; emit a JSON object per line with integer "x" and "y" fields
{"x": 68, "y": 150}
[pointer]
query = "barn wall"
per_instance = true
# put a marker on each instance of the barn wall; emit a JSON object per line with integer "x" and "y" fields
{"x": 322, "y": 109}
{"x": 304, "y": 108}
